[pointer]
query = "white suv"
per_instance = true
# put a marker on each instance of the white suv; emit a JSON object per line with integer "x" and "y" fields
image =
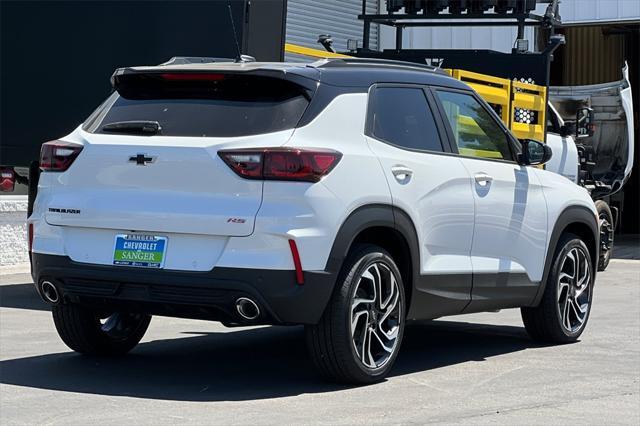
{"x": 350, "y": 196}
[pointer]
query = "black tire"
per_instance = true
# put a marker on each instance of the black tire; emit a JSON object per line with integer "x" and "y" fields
{"x": 545, "y": 322}
{"x": 81, "y": 329}
{"x": 330, "y": 342}
{"x": 607, "y": 228}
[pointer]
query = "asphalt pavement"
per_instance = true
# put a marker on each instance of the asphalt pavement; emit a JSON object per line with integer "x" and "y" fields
{"x": 471, "y": 369}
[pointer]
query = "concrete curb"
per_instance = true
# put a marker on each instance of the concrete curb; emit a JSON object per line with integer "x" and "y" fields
{"x": 20, "y": 268}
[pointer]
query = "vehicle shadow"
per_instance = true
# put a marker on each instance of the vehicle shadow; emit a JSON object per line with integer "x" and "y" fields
{"x": 235, "y": 365}
{"x": 245, "y": 364}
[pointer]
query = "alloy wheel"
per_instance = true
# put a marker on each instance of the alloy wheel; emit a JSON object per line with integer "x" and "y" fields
{"x": 376, "y": 315}
{"x": 574, "y": 290}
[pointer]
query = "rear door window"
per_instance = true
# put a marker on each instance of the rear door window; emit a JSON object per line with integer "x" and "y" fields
{"x": 402, "y": 117}
{"x": 220, "y": 106}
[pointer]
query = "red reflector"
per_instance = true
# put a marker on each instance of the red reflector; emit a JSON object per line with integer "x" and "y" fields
{"x": 296, "y": 261}
{"x": 30, "y": 237}
{"x": 7, "y": 179}
{"x": 281, "y": 163}
{"x": 57, "y": 156}
{"x": 192, "y": 76}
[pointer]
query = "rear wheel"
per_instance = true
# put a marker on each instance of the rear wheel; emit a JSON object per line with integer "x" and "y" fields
{"x": 88, "y": 332}
{"x": 564, "y": 310}
{"x": 359, "y": 335}
{"x": 606, "y": 234}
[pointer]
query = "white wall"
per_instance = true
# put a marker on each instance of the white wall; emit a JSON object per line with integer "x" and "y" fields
{"x": 307, "y": 19}
{"x": 599, "y": 10}
{"x": 494, "y": 38}
{"x": 13, "y": 230}
{"x": 502, "y": 38}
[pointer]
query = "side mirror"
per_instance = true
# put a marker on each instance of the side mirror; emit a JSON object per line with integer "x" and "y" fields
{"x": 568, "y": 129}
{"x": 584, "y": 123}
{"x": 534, "y": 153}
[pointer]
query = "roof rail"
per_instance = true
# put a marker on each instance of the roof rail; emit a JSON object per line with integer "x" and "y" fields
{"x": 341, "y": 62}
{"x": 183, "y": 60}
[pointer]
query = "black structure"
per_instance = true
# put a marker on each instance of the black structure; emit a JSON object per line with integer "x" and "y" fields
{"x": 459, "y": 13}
{"x": 534, "y": 66}
{"x": 429, "y": 13}
{"x": 57, "y": 56}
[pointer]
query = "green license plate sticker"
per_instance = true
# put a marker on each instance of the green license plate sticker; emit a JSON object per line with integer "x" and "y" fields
{"x": 145, "y": 251}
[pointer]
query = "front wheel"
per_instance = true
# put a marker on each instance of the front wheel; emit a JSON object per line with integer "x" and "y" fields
{"x": 88, "y": 332}
{"x": 359, "y": 335}
{"x": 564, "y": 310}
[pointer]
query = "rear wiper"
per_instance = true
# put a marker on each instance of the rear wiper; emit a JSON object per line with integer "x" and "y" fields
{"x": 137, "y": 127}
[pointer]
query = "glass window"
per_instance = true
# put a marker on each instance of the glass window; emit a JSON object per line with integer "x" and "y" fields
{"x": 225, "y": 107}
{"x": 476, "y": 133}
{"x": 402, "y": 117}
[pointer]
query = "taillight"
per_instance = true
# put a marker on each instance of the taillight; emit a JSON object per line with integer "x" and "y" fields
{"x": 245, "y": 164}
{"x": 292, "y": 164}
{"x": 7, "y": 179}
{"x": 57, "y": 156}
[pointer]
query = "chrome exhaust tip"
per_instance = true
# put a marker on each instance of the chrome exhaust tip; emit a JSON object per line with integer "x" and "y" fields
{"x": 49, "y": 292}
{"x": 247, "y": 308}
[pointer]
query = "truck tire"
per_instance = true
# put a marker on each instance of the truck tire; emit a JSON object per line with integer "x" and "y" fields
{"x": 607, "y": 228}
{"x": 562, "y": 314}
{"x": 359, "y": 335}
{"x": 82, "y": 330}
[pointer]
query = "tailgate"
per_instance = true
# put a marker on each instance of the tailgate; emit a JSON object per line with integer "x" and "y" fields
{"x": 185, "y": 188}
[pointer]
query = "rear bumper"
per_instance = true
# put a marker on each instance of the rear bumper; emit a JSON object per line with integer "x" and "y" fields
{"x": 204, "y": 295}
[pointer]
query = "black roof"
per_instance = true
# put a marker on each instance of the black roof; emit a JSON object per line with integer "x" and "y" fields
{"x": 365, "y": 72}
{"x": 344, "y": 72}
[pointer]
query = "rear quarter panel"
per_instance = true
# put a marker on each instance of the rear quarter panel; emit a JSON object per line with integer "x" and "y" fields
{"x": 356, "y": 181}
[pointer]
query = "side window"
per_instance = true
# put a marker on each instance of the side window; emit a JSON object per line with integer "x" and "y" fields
{"x": 476, "y": 133}
{"x": 402, "y": 117}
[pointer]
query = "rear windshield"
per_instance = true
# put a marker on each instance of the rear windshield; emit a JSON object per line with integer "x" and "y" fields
{"x": 217, "y": 106}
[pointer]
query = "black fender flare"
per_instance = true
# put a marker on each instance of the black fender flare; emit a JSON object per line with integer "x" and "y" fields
{"x": 368, "y": 216}
{"x": 569, "y": 216}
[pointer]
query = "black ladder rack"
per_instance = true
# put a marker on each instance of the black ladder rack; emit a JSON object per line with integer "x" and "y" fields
{"x": 519, "y": 16}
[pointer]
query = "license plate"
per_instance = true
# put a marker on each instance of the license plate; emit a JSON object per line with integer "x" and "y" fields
{"x": 145, "y": 251}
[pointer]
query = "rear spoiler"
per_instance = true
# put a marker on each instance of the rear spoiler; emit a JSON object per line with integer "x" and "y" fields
{"x": 183, "y": 60}
{"x": 122, "y": 77}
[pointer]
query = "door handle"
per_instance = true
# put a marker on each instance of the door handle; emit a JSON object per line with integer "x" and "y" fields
{"x": 401, "y": 173}
{"x": 483, "y": 179}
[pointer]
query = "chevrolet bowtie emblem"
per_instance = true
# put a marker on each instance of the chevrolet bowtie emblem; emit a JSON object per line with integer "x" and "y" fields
{"x": 141, "y": 159}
